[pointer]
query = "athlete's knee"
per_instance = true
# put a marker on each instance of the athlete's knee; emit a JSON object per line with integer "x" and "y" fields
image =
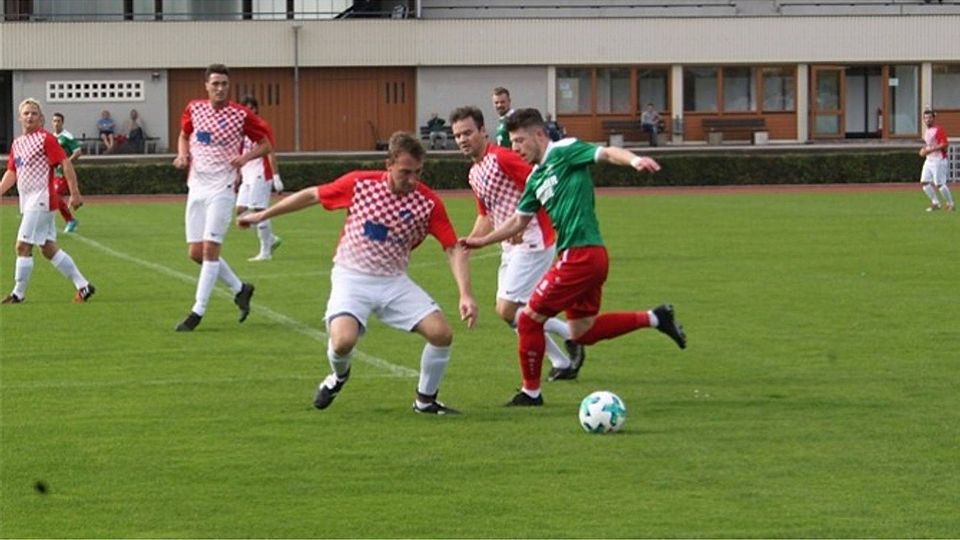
{"x": 440, "y": 336}
{"x": 195, "y": 252}
{"x": 530, "y": 321}
{"x": 507, "y": 311}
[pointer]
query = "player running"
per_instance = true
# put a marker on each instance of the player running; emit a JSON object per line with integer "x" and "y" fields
{"x": 561, "y": 183}
{"x": 210, "y": 142}
{"x": 73, "y": 149}
{"x": 258, "y": 177}
{"x": 33, "y": 156}
{"x": 497, "y": 177}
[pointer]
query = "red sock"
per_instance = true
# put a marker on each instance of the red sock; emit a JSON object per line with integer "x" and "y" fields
{"x": 611, "y": 325}
{"x": 65, "y": 210}
{"x": 532, "y": 346}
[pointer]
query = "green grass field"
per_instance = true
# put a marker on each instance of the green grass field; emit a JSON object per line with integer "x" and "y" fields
{"x": 819, "y": 395}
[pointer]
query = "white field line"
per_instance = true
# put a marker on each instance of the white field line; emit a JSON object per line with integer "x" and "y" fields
{"x": 300, "y": 327}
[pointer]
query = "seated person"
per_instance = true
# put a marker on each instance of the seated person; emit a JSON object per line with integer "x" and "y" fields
{"x": 650, "y": 122}
{"x": 554, "y": 130}
{"x": 136, "y": 136}
{"x": 435, "y": 125}
{"x": 107, "y": 130}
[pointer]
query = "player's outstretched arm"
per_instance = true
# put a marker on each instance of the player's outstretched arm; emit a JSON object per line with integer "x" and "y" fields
{"x": 9, "y": 179}
{"x": 514, "y": 225}
{"x": 626, "y": 158}
{"x": 298, "y": 201}
{"x": 460, "y": 266}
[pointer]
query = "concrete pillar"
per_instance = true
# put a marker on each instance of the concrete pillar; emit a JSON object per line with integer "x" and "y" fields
{"x": 803, "y": 103}
{"x": 552, "y": 91}
{"x": 676, "y": 101}
{"x": 926, "y": 86}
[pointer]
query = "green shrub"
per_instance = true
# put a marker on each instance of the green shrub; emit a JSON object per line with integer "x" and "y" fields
{"x": 679, "y": 169}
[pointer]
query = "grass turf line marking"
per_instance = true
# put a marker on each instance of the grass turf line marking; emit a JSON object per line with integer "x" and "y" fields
{"x": 309, "y": 331}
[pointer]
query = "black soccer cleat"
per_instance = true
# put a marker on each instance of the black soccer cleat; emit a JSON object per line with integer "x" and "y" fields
{"x": 667, "y": 324}
{"x": 84, "y": 293}
{"x": 562, "y": 374}
{"x": 435, "y": 407}
{"x": 242, "y": 300}
{"x": 12, "y": 299}
{"x": 188, "y": 324}
{"x": 329, "y": 389}
{"x": 522, "y": 399}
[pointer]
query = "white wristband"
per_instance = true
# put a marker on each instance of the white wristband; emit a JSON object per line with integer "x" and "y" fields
{"x": 635, "y": 162}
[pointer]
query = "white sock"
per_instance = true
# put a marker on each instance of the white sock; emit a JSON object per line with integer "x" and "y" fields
{"x": 931, "y": 194}
{"x": 532, "y": 393}
{"x": 21, "y": 276}
{"x": 433, "y": 363}
{"x": 947, "y": 196}
{"x": 558, "y": 357}
{"x": 228, "y": 277}
{"x": 205, "y": 283}
{"x": 654, "y": 320}
{"x": 557, "y": 327}
{"x": 63, "y": 262}
{"x": 339, "y": 364}
{"x": 265, "y": 233}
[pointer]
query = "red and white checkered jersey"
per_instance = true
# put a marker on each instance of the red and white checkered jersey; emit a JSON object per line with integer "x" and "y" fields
{"x": 498, "y": 181}
{"x": 216, "y": 137}
{"x": 33, "y": 157}
{"x": 255, "y": 168}
{"x": 383, "y": 227}
{"x": 935, "y": 136}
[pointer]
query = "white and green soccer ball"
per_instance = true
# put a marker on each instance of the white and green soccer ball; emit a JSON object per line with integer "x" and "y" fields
{"x": 602, "y": 412}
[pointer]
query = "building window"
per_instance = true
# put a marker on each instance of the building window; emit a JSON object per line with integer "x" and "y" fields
{"x": 904, "y": 83}
{"x": 94, "y": 91}
{"x": 613, "y": 90}
{"x": 779, "y": 89}
{"x": 739, "y": 89}
{"x": 946, "y": 86}
{"x": 700, "y": 89}
{"x": 652, "y": 88}
{"x": 574, "y": 91}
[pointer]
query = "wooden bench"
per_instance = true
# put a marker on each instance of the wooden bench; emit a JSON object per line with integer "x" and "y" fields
{"x": 741, "y": 125}
{"x": 425, "y": 134}
{"x": 632, "y": 130}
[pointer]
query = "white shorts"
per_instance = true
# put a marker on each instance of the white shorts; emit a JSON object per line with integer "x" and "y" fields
{"x": 37, "y": 228}
{"x": 255, "y": 193}
{"x": 520, "y": 271}
{"x": 396, "y": 300}
{"x": 935, "y": 172}
{"x": 208, "y": 216}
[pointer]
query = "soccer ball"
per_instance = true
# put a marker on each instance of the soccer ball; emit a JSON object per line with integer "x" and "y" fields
{"x": 602, "y": 412}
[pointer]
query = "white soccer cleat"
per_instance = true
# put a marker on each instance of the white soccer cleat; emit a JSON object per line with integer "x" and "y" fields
{"x": 260, "y": 257}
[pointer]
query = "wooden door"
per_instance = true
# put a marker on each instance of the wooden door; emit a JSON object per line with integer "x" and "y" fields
{"x": 827, "y": 96}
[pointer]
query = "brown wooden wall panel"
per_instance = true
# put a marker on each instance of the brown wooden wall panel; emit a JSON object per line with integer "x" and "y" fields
{"x": 340, "y": 108}
{"x": 950, "y": 121}
{"x": 779, "y": 125}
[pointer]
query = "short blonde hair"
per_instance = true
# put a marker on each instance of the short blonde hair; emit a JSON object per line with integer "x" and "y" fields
{"x": 30, "y": 101}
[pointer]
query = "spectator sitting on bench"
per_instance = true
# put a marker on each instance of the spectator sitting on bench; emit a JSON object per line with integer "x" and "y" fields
{"x": 554, "y": 130}
{"x": 107, "y": 129}
{"x": 650, "y": 123}
{"x": 133, "y": 127}
{"x": 436, "y": 127}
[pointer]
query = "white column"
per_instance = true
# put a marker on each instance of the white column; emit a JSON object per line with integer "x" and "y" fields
{"x": 676, "y": 99}
{"x": 926, "y": 86}
{"x": 803, "y": 103}
{"x": 552, "y": 91}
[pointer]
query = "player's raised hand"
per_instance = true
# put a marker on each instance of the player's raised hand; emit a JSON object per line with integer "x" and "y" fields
{"x": 643, "y": 163}
{"x": 246, "y": 220}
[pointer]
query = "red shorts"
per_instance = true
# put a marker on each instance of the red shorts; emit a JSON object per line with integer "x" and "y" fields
{"x": 574, "y": 284}
{"x": 61, "y": 186}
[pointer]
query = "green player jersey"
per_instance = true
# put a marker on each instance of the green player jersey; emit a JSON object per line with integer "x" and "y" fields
{"x": 562, "y": 184}
{"x": 502, "y": 135}
{"x": 69, "y": 145}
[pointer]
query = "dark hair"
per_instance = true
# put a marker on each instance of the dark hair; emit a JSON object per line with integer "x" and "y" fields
{"x": 524, "y": 118}
{"x": 501, "y": 90}
{"x": 56, "y": 114}
{"x": 402, "y": 142}
{"x": 468, "y": 111}
{"x": 216, "y": 68}
{"x": 931, "y": 112}
{"x": 250, "y": 101}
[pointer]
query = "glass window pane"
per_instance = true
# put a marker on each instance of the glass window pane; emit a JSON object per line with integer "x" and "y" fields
{"x": 652, "y": 88}
{"x": 946, "y": 86}
{"x": 779, "y": 89}
{"x": 573, "y": 90}
{"x": 739, "y": 89}
{"x": 904, "y": 100}
{"x": 828, "y": 91}
{"x": 700, "y": 89}
{"x": 826, "y": 124}
{"x": 613, "y": 90}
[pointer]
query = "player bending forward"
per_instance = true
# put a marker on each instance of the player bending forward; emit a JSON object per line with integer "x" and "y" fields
{"x": 561, "y": 183}
{"x": 389, "y": 213}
